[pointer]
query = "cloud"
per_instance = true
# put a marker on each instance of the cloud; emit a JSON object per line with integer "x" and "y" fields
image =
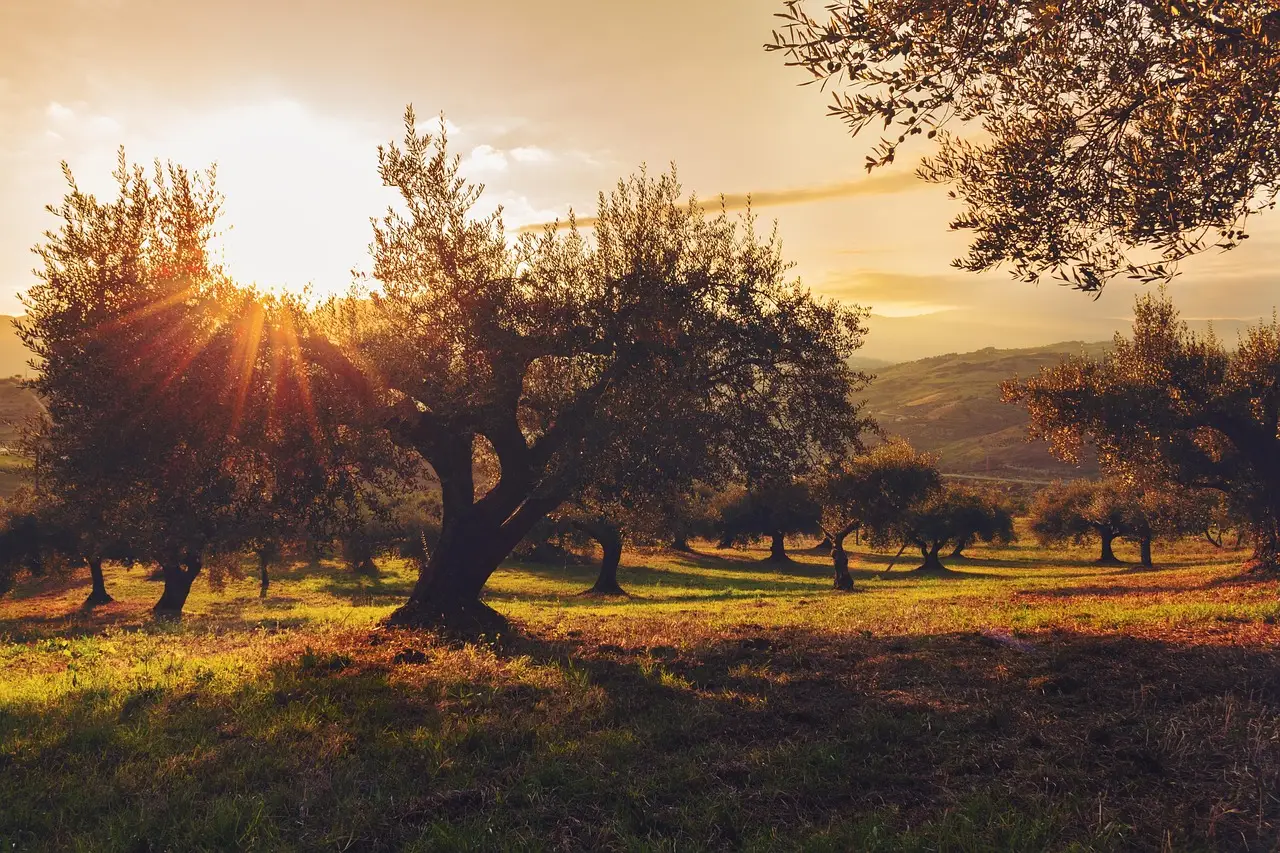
{"x": 898, "y": 295}
{"x": 75, "y": 121}
{"x": 484, "y": 159}
{"x": 879, "y": 185}
{"x": 59, "y": 112}
{"x": 532, "y": 154}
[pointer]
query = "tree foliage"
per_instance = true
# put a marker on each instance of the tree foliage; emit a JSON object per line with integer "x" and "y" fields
{"x": 946, "y": 516}
{"x": 181, "y": 414}
{"x": 871, "y": 491}
{"x": 774, "y": 510}
{"x": 546, "y": 346}
{"x": 1171, "y": 405}
{"x": 1085, "y": 138}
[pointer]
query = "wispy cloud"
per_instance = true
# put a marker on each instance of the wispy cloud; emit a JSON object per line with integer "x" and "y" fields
{"x": 878, "y": 185}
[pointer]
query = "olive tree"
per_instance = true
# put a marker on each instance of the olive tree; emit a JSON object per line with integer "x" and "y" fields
{"x": 873, "y": 491}
{"x": 1085, "y": 138}
{"x": 534, "y": 348}
{"x": 1170, "y": 405}
{"x": 181, "y": 413}
{"x": 774, "y": 510}
{"x": 1079, "y": 510}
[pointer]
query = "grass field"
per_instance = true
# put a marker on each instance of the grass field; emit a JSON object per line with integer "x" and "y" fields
{"x": 1034, "y": 702}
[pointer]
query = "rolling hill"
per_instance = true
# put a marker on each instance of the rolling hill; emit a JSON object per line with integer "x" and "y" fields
{"x": 950, "y": 405}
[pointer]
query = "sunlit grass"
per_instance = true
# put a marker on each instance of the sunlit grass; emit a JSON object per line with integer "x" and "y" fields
{"x": 1032, "y": 701}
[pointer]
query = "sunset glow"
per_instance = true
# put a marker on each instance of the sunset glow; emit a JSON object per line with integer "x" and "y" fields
{"x": 295, "y": 141}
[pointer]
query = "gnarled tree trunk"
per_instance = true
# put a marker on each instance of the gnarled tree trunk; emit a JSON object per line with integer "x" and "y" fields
{"x": 1144, "y": 548}
{"x": 178, "y": 576}
{"x": 475, "y": 537}
{"x": 99, "y": 594}
{"x": 932, "y": 564}
{"x": 957, "y": 553}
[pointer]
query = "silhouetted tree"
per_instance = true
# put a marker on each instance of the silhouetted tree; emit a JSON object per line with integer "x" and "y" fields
{"x": 175, "y": 399}
{"x": 535, "y": 348}
{"x": 872, "y": 491}
{"x": 1172, "y": 405}
{"x": 942, "y": 518}
{"x": 981, "y": 514}
{"x": 774, "y": 510}
{"x": 1081, "y": 509}
{"x": 1084, "y": 138}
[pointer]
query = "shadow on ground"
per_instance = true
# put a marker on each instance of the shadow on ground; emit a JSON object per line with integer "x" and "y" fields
{"x": 782, "y": 739}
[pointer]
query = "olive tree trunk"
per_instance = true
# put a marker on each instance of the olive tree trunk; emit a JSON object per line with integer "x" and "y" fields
{"x": 840, "y": 561}
{"x": 98, "y": 595}
{"x": 778, "y": 549}
{"x": 609, "y": 536}
{"x": 1108, "y": 537}
{"x": 178, "y": 576}
{"x": 932, "y": 564}
{"x": 1144, "y": 548}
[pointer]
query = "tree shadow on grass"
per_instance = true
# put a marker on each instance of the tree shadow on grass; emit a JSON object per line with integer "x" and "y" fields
{"x": 778, "y": 738}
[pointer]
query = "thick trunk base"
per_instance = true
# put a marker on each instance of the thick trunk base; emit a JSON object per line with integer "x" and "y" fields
{"x": 177, "y": 587}
{"x": 843, "y": 580}
{"x": 98, "y": 598}
{"x": 606, "y": 590}
{"x": 681, "y": 545}
{"x": 778, "y": 551}
{"x": 932, "y": 567}
{"x": 463, "y": 619}
{"x": 1108, "y": 557}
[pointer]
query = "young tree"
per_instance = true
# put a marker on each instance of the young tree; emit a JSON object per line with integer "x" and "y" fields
{"x": 534, "y": 348}
{"x": 982, "y": 514}
{"x": 1081, "y": 509}
{"x": 775, "y": 510}
{"x": 872, "y": 491}
{"x": 942, "y": 518}
{"x": 1174, "y": 406}
{"x": 1084, "y": 138}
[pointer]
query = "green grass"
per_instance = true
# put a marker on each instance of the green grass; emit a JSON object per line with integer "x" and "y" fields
{"x": 1035, "y": 702}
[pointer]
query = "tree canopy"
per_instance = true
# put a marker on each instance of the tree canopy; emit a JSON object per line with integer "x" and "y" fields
{"x": 1085, "y": 138}
{"x": 538, "y": 348}
{"x": 872, "y": 491}
{"x": 1169, "y": 404}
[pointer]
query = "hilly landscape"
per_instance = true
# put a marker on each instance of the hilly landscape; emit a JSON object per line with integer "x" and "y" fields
{"x": 950, "y": 405}
{"x": 946, "y": 404}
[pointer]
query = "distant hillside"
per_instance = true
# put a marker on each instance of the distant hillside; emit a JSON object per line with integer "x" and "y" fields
{"x": 950, "y": 405}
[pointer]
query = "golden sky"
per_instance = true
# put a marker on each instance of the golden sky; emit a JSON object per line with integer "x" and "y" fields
{"x": 548, "y": 103}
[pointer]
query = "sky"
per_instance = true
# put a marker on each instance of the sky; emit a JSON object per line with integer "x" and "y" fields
{"x": 547, "y": 104}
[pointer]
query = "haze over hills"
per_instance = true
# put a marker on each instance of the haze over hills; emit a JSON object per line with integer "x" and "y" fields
{"x": 950, "y": 405}
{"x": 13, "y": 355}
{"x": 946, "y": 404}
